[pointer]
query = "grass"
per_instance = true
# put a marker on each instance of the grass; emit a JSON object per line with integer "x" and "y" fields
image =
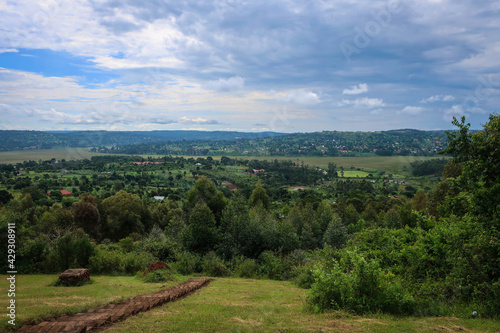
{"x": 19, "y": 156}
{"x": 37, "y": 300}
{"x": 241, "y": 305}
{"x": 355, "y": 173}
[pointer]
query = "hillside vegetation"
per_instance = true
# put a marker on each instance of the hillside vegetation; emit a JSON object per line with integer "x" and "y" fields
{"x": 361, "y": 241}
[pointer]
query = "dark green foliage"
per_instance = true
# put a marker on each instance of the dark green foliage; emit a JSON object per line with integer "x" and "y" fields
{"x": 109, "y": 260}
{"x": 31, "y": 257}
{"x": 259, "y": 196}
{"x": 5, "y": 196}
{"x": 429, "y": 167}
{"x": 247, "y": 268}
{"x": 206, "y": 192}
{"x": 83, "y": 250}
{"x": 355, "y": 284}
{"x": 214, "y": 266}
{"x": 65, "y": 251}
{"x": 305, "y": 278}
{"x": 158, "y": 276}
{"x": 187, "y": 263}
{"x": 336, "y": 233}
{"x": 201, "y": 235}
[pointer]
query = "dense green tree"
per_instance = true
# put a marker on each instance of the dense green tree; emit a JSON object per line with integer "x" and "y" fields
{"x": 336, "y": 233}
{"x": 205, "y": 190}
{"x": 201, "y": 235}
{"x": 124, "y": 215}
{"x": 324, "y": 214}
{"x": 259, "y": 195}
{"x": 5, "y": 197}
{"x": 87, "y": 216}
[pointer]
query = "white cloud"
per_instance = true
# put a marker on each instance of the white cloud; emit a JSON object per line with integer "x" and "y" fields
{"x": 299, "y": 96}
{"x": 438, "y": 98}
{"x": 364, "y": 102}
{"x": 8, "y": 50}
{"x": 413, "y": 110}
{"x": 234, "y": 83}
{"x": 356, "y": 89}
{"x": 455, "y": 111}
{"x": 198, "y": 121}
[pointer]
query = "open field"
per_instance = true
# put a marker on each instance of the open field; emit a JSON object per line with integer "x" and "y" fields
{"x": 12, "y": 157}
{"x": 226, "y": 305}
{"x": 384, "y": 163}
{"x": 37, "y": 300}
{"x": 240, "y": 305}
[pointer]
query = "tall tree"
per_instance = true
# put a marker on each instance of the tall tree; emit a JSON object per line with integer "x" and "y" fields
{"x": 201, "y": 235}
{"x": 259, "y": 194}
{"x": 205, "y": 190}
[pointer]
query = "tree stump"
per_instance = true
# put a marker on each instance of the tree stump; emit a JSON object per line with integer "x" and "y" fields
{"x": 75, "y": 276}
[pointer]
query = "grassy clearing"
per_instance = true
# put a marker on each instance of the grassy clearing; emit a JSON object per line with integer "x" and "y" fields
{"x": 36, "y": 300}
{"x": 355, "y": 173}
{"x": 13, "y": 157}
{"x": 239, "y": 305}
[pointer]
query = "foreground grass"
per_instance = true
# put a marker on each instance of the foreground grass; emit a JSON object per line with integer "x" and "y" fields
{"x": 238, "y": 305}
{"x": 37, "y": 300}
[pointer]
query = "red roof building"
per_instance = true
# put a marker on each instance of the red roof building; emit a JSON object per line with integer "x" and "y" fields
{"x": 65, "y": 193}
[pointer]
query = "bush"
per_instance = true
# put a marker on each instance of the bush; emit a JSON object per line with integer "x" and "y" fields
{"x": 160, "y": 275}
{"x": 186, "y": 263}
{"x": 273, "y": 266}
{"x": 214, "y": 266}
{"x": 106, "y": 261}
{"x": 164, "y": 251}
{"x": 357, "y": 285}
{"x": 248, "y": 268}
{"x": 305, "y": 277}
{"x": 83, "y": 250}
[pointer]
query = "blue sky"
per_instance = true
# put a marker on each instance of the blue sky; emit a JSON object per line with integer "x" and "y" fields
{"x": 283, "y": 65}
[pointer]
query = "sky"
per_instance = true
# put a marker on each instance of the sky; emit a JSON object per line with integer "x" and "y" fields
{"x": 248, "y": 65}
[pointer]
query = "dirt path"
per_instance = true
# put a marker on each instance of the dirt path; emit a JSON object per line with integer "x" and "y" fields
{"x": 95, "y": 319}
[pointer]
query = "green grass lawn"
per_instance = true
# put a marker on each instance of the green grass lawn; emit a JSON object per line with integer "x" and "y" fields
{"x": 355, "y": 173}
{"x": 36, "y": 300}
{"x": 240, "y": 305}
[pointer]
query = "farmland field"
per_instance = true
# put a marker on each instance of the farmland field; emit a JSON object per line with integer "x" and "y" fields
{"x": 12, "y": 157}
{"x": 384, "y": 163}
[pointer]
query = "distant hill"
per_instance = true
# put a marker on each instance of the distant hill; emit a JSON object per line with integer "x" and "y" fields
{"x": 404, "y": 142}
{"x": 27, "y": 140}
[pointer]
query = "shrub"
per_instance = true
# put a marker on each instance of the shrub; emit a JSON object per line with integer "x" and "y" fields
{"x": 164, "y": 251}
{"x": 357, "y": 285}
{"x": 248, "y": 268}
{"x": 214, "y": 266}
{"x": 305, "y": 277}
{"x": 273, "y": 266}
{"x": 160, "y": 275}
{"x": 137, "y": 261}
{"x": 106, "y": 261}
{"x": 186, "y": 263}
{"x": 83, "y": 250}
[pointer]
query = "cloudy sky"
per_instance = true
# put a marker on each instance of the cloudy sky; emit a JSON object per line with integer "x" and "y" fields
{"x": 248, "y": 65}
